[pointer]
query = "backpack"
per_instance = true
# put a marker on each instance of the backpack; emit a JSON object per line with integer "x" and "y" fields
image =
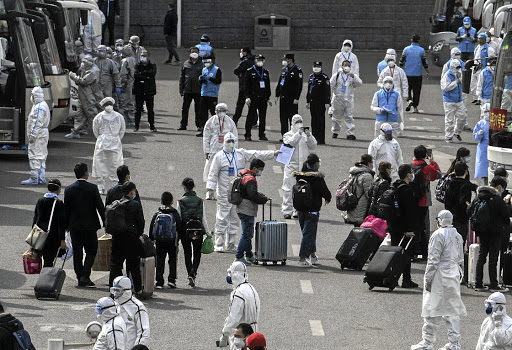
{"x": 387, "y": 205}
{"x": 164, "y": 228}
{"x": 419, "y": 185}
{"x": 346, "y": 199}
{"x": 194, "y": 227}
{"x": 115, "y": 220}
{"x": 235, "y": 191}
{"x": 302, "y": 195}
{"x": 442, "y": 186}
{"x": 21, "y": 338}
{"x": 373, "y": 197}
{"x": 480, "y": 218}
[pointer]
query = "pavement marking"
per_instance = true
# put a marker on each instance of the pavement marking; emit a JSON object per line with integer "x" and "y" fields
{"x": 271, "y": 148}
{"x": 316, "y": 328}
{"x": 415, "y": 127}
{"x": 86, "y": 158}
{"x": 290, "y": 222}
{"x": 70, "y": 306}
{"x": 295, "y": 249}
{"x": 277, "y": 169}
{"x": 306, "y": 286}
{"x": 29, "y": 207}
{"x": 413, "y": 119}
{"x": 62, "y": 328}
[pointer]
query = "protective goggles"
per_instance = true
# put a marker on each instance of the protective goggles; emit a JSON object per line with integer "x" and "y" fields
{"x": 99, "y": 309}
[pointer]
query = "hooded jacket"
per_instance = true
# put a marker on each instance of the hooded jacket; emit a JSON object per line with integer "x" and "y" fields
{"x": 136, "y": 318}
{"x": 500, "y": 213}
{"x": 318, "y": 187}
{"x": 346, "y": 56}
{"x": 240, "y": 70}
{"x": 363, "y": 184}
{"x": 113, "y": 332}
{"x": 251, "y": 196}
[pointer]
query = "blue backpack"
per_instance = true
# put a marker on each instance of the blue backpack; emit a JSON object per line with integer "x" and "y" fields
{"x": 164, "y": 228}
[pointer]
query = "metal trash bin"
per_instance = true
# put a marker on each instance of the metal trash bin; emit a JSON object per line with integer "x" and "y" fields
{"x": 272, "y": 32}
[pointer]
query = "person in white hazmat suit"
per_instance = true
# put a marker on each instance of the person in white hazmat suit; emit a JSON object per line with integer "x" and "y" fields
{"x": 454, "y": 110}
{"x": 109, "y": 128}
{"x": 113, "y": 332}
{"x": 455, "y": 54}
{"x": 134, "y": 45}
{"x": 343, "y": 84}
{"x": 345, "y": 54}
{"x": 383, "y": 64}
{"x": 91, "y": 41}
{"x": 388, "y": 108}
{"x": 496, "y": 329}
{"x": 400, "y": 83}
{"x": 245, "y": 304}
{"x": 226, "y": 164}
{"x": 108, "y": 73}
{"x": 37, "y": 135}
{"x": 385, "y": 148}
{"x": 213, "y": 134}
{"x": 441, "y": 293}
{"x": 133, "y": 312}
{"x": 127, "y": 98}
{"x": 303, "y": 143}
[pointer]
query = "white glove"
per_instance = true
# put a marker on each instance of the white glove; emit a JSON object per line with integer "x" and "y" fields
{"x": 209, "y": 235}
{"x": 276, "y": 100}
{"x": 270, "y": 103}
{"x": 480, "y": 132}
{"x": 210, "y": 194}
{"x": 31, "y": 139}
{"x": 248, "y": 102}
{"x": 308, "y": 133}
{"x": 295, "y": 102}
{"x": 72, "y": 75}
{"x": 307, "y": 105}
{"x": 223, "y": 342}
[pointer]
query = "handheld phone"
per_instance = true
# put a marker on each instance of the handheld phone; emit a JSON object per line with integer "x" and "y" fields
{"x": 305, "y": 128}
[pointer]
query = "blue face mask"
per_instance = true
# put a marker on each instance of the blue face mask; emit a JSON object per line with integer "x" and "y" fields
{"x": 143, "y": 59}
{"x": 412, "y": 177}
{"x": 488, "y": 310}
{"x": 229, "y": 280}
{"x": 259, "y": 173}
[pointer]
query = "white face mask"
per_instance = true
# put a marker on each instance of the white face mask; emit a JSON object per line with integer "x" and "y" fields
{"x": 109, "y": 109}
{"x": 467, "y": 159}
{"x": 207, "y": 64}
{"x": 284, "y": 63}
{"x": 229, "y": 146}
{"x": 194, "y": 55}
{"x": 346, "y": 48}
{"x": 388, "y": 86}
{"x": 391, "y": 64}
{"x": 238, "y": 343}
{"x": 259, "y": 63}
{"x": 119, "y": 48}
{"x": 241, "y": 55}
{"x": 346, "y": 69}
{"x": 486, "y": 115}
{"x": 317, "y": 69}
{"x": 221, "y": 114}
{"x": 467, "y": 26}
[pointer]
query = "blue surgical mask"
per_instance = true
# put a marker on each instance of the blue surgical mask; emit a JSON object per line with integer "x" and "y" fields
{"x": 412, "y": 177}
{"x": 229, "y": 280}
{"x": 488, "y": 310}
{"x": 143, "y": 59}
{"x": 259, "y": 173}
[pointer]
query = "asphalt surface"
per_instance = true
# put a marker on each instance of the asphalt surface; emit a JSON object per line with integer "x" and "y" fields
{"x": 322, "y": 307}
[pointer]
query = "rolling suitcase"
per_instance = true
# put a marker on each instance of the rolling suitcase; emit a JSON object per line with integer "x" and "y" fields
{"x": 357, "y": 248}
{"x": 271, "y": 240}
{"x": 387, "y": 265}
{"x": 507, "y": 268}
{"x": 50, "y": 281}
{"x": 474, "y": 251}
{"x": 147, "y": 275}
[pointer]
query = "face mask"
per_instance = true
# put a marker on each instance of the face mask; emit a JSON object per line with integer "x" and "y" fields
{"x": 413, "y": 177}
{"x": 241, "y": 55}
{"x": 317, "y": 69}
{"x": 229, "y": 280}
{"x": 221, "y": 114}
{"x": 391, "y": 64}
{"x": 346, "y": 48}
{"x": 388, "y": 136}
{"x": 82, "y": 66}
{"x": 488, "y": 310}
{"x": 486, "y": 115}
{"x": 388, "y": 86}
{"x": 144, "y": 59}
{"x": 207, "y": 64}
{"x": 259, "y": 173}
{"x": 298, "y": 125}
{"x": 194, "y": 55}
{"x": 119, "y": 48}
{"x": 346, "y": 69}
{"x": 467, "y": 26}
{"x": 239, "y": 343}
{"x": 284, "y": 63}
{"x": 109, "y": 109}
{"x": 259, "y": 63}
{"x": 230, "y": 146}
{"x": 467, "y": 159}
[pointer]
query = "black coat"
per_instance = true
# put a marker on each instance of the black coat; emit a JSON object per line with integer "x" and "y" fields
{"x": 499, "y": 210}
{"x": 408, "y": 221}
{"x": 82, "y": 203}
{"x": 8, "y": 325}
{"x": 114, "y": 8}
{"x": 252, "y": 85}
{"x": 116, "y": 192}
{"x": 144, "y": 83}
{"x": 58, "y": 226}
{"x": 319, "y": 188}
{"x": 457, "y": 199}
{"x": 240, "y": 70}
{"x": 319, "y": 89}
{"x": 292, "y": 83}
{"x": 171, "y": 23}
{"x": 189, "y": 78}
{"x": 134, "y": 217}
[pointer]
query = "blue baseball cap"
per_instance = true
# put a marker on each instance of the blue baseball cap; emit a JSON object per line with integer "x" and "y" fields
{"x": 466, "y": 20}
{"x": 482, "y": 35}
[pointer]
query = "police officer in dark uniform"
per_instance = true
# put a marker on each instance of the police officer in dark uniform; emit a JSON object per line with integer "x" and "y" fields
{"x": 318, "y": 99}
{"x": 246, "y": 62}
{"x": 257, "y": 94}
{"x": 288, "y": 91}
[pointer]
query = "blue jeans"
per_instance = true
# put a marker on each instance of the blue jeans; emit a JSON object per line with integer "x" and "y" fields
{"x": 308, "y": 224}
{"x": 245, "y": 243}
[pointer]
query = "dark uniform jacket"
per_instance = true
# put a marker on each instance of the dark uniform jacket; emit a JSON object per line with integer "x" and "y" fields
{"x": 171, "y": 23}
{"x": 253, "y": 88}
{"x": 144, "y": 83}
{"x": 290, "y": 83}
{"x": 189, "y": 78}
{"x": 319, "y": 89}
{"x": 241, "y": 69}
{"x": 83, "y": 203}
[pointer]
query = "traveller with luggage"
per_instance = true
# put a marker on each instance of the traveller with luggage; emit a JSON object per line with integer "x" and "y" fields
{"x": 379, "y": 186}
{"x": 363, "y": 174}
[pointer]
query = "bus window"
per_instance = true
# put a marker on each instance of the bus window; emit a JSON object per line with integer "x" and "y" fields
{"x": 31, "y": 66}
{"x": 506, "y": 99}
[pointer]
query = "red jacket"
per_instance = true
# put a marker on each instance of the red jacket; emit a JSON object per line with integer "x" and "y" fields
{"x": 429, "y": 174}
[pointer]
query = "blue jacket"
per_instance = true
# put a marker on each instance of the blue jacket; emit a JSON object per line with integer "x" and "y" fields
{"x": 487, "y": 83}
{"x": 481, "y": 163}
{"x": 208, "y": 87}
{"x": 390, "y": 99}
{"x": 204, "y": 49}
{"x": 414, "y": 56}
{"x": 380, "y": 67}
{"x": 466, "y": 44}
{"x": 483, "y": 54}
{"x": 447, "y": 64}
{"x": 454, "y": 95}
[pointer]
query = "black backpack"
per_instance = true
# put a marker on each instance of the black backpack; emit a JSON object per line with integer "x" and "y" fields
{"x": 373, "y": 197}
{"x": 20, "y": 337}
{"x": 419, "y": 184}
{"x": 235, "y": 190}
{"x": 302, "y": 195}
{"x": 442, "y": 187}
{"x": 387, "y": 205}
{"x": 115, "y": 218}
{"x": 346, "y": 198}
{"x": 480, "y": 216}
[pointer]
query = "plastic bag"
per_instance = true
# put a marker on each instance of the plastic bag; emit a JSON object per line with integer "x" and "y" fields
{"x": 377, "y": 225}
{"x": 70, "y": 247}
{"x": 207, "y": 247}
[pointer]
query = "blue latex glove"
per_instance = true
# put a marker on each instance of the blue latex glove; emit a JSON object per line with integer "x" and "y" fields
{"x": 119, "y": 91}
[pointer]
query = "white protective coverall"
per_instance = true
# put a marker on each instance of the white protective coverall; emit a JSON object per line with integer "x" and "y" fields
{"x": 441, "y": 294}
{"x": 342, "y": 88}
{"x": 400, "y": 83}
{"x": 496, "y": 330}
{"x": 345, "y": 54}
{"x": 113, "y": 332}
{"x": 134, "y": 45}
{"x": 226, "y": 164}
{"x": 455, "y": 115}
{"x": 37, "y": 134}
{"x": 108, "y": 73}
{"x": 303, "y": 142}
{"x": 109, "y": 128}
{"x": 398, "y": 127}
{"x": 133, "y": 312}
{"x": 127, "y": 73}
{"x": 91, "y": 41}
{"x": 385, "y": 150}
{"x": 245, "y": 304}
{"x": 213, "y": 135}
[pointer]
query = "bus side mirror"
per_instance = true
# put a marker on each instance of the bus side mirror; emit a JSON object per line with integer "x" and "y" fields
{"x": 84, "y": 17}
{"x": 40, "y": 32}
{"x": 59, "y": 19}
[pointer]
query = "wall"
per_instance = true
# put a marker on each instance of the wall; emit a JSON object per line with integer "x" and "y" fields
{"x": 315, "y": 24}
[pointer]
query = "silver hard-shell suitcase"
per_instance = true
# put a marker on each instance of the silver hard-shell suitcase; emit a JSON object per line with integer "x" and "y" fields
{"x": 271, "y": 240}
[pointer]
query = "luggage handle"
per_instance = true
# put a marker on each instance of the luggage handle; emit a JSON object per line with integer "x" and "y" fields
{"x": 407, "y": 245}
{"x": 63, "y": 260}
{"x": 263, "y": 211}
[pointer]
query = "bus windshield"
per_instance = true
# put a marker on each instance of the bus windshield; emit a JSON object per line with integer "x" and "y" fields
{"x": 70, "y": 34}
{"x": 447, "y": 16}
{"x": 50, "y": 53}
{"x": 28, "y": 52}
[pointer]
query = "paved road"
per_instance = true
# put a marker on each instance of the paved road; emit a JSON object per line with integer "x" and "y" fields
{"x": 320, "y": 308}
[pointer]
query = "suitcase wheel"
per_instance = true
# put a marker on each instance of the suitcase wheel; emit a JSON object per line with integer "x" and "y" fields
{"x": 37, "y": 296}
{"x": 264, "y": 263}
{"x": 255, "y": 262}
{"x": 274, "y": 262}
{"x": 283, "y": 262}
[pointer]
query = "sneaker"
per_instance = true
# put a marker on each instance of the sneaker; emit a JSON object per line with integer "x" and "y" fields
{"x": 313, "y": 259}
{"x": 136, "y": 128}
{"x": 287, "y": 216}
{"x": 251, "y": 259}
{"x": 248, "y": 138}
{"x": 168, "y": 62}
{"x": 450, "y": 346}
{"x": 72, "y": 135}
{"x": 409, "y": 284}
{"x": 191, "y": 281}
{"x": 498, "y": 289}
{"x": 458, "y": 138}
{"x": 245, "y": 261}
{"x": 182, "y": 127}
{"x": 172, "y": 285}
{"x": 481, "y": 288}
{"x": 231, "y": 248}
{"x": 334, "y": 136}
{"x": 159, "y": 286}
{"x": 478, "y": 103}
{"x": 351, "y": 137}
{"x": 409, "y": 105}
{"x": 467, "y": 128}
{"x": 263, "y": 138}
{"x": 295, "y": 215}
{"x": 449, "y": 140}
{"x": 474, "y": 101}
{"x": 304, "y": 263}
{"x": 218, "y": 249}
{"x": 415, "y": 110}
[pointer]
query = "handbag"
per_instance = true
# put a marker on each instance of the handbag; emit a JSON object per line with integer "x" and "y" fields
{"x": 207, "y": 247}
{"x": 377, "y": 225}
{"x": 37, "y": 236}
{"x": 32, "y": 263}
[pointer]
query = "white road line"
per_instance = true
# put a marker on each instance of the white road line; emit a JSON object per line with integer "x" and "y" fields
{"x": 277, "y": 169}
{"x": 271, "y": 148}
{"x": 62, "y": 328}
{"x": 295, "y": 249}
{"x": 415, "y": 127}
{"x": 316, "y": 328}
{"x": 306, "y": 286}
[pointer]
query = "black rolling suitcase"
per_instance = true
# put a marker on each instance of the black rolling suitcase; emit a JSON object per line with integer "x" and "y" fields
{"x": 507, "y": 267}
{"x": 357, "y": 248}
{"x": 386, "y": 266}
{"x": 50, "y": 281}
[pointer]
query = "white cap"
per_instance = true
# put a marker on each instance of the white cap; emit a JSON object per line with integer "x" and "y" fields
{"x": 445, "y": 218}
{"x": 107, "y": 99}
{"x": 386, "y": 127}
